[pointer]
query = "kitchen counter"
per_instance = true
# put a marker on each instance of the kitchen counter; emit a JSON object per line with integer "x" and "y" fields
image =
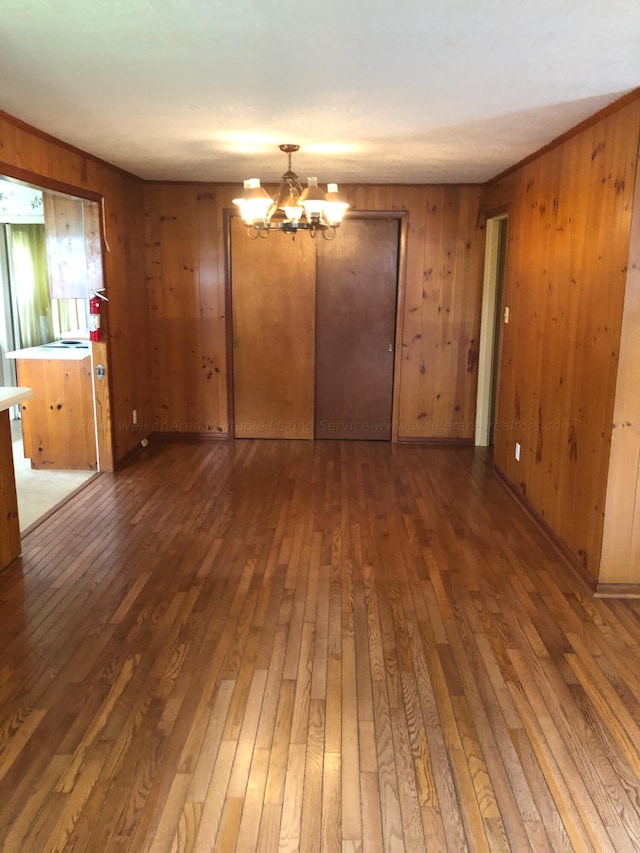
{"x": 56, "y": 351}
{"x": 12, "y": 396}
{"x": 58, "y": 424}
{"x": 10, "y": 545}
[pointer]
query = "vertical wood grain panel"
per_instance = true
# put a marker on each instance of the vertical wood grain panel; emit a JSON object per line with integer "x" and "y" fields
{"x": 274, "y": 307}
{"x": 441, "y": 323}
{"x": 621, "y": 537}
{"x": 102, "y": 406}
{"x": 10, "y": 539}
{"x": 567, "y": 254}
{"x": 185, "y": 277}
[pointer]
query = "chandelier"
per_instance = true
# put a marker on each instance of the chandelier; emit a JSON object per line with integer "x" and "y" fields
{"x": 309, "y": 209}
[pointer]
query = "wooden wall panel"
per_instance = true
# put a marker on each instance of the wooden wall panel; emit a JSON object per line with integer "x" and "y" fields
{"x": 621, "y": 538}
{"x": 438, "y": 378}
{"x": 186, "y": 279}
{"x": 442, "y": 302}
{"x": 569, "y": 225}
{"x": 126, "y": 316}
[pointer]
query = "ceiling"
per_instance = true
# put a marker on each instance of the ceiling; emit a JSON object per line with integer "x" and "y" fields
{"x": 391, "y": 91}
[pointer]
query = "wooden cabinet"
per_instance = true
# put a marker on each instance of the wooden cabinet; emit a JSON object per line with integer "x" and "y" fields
{"x": 74, "y": 260}
{"x": 58, "y": 423}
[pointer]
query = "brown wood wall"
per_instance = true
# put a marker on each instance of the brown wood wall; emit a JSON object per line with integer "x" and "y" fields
{"x": 568, "y": 248}
{"x": 621, "y": 539}
{"x": 442, "y": 291}
{"x": 566, "y": 279}
{"x": 22, "y": 148}
{"x": 185, "y": 256}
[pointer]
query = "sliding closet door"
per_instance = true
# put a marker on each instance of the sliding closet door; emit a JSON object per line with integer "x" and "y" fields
{"x": 273, "y": 304}
{"x": 357, "y": 283}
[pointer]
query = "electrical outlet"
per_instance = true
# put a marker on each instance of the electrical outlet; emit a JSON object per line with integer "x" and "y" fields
{"x": 517, "y": 451}
{"x": 134, "y": 416}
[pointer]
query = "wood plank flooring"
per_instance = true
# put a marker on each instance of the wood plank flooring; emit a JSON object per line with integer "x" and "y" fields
{"x": 274, "y": 645}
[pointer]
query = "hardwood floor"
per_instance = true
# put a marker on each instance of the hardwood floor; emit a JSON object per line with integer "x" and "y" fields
{"x": 274, "y": 645}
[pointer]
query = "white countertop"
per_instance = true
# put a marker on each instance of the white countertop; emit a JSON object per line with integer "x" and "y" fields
{"x": 52, "y": 353}
{"x": 11, "y": 396}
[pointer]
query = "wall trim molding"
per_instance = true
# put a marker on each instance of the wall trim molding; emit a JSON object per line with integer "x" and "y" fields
{"x": 579, "y": 572}
{"x": 189, "y": 436}
{"x": 436, "y": 442}
{"x": 617, "y": 590}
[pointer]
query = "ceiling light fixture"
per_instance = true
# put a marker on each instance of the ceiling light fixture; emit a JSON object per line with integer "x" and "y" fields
{"x": 321, "y": 211}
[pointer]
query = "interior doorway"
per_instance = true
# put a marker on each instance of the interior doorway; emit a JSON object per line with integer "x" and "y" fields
{"x": 50, "y": 261}
{"x": 313, "y": 326}
{"x": 491, "y": 328}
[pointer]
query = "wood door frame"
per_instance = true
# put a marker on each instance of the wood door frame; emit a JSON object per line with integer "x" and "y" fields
{"x": 402, "y": 216}
{"x": 490, "y": 338}
{"x": 104, "y": 438}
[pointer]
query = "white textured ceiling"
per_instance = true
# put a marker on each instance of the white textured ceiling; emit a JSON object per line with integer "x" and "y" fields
{"x": 394, "y": 91}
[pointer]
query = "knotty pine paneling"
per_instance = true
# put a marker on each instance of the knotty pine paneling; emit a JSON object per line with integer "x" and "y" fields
{"x": 442, "y": 302}
{"x": 186, "y": 279}
{"x": 185, "y": 245}
{"x": 126, "y": 316}
{"x": 568, "y": 246}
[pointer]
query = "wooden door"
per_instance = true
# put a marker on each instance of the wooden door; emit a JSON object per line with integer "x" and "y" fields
{"x": 357, "y": 283}
{"x": 273, "y": 306}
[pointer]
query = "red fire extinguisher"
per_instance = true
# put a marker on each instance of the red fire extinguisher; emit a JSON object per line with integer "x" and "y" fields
{"x": 95, "y": 301}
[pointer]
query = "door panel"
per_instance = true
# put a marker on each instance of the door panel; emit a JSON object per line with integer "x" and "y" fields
{"x": 273, "y": 301}
{"x": 355, "y": 330}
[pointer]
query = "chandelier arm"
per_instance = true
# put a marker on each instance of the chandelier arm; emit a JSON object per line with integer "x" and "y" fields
{"x": 322, "y": 211}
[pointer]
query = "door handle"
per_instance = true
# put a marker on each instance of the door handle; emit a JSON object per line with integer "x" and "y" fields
{"x": 390, "y": 347}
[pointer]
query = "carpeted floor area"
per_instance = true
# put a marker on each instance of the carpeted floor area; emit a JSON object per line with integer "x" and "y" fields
{"x": 40, "y": 491}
